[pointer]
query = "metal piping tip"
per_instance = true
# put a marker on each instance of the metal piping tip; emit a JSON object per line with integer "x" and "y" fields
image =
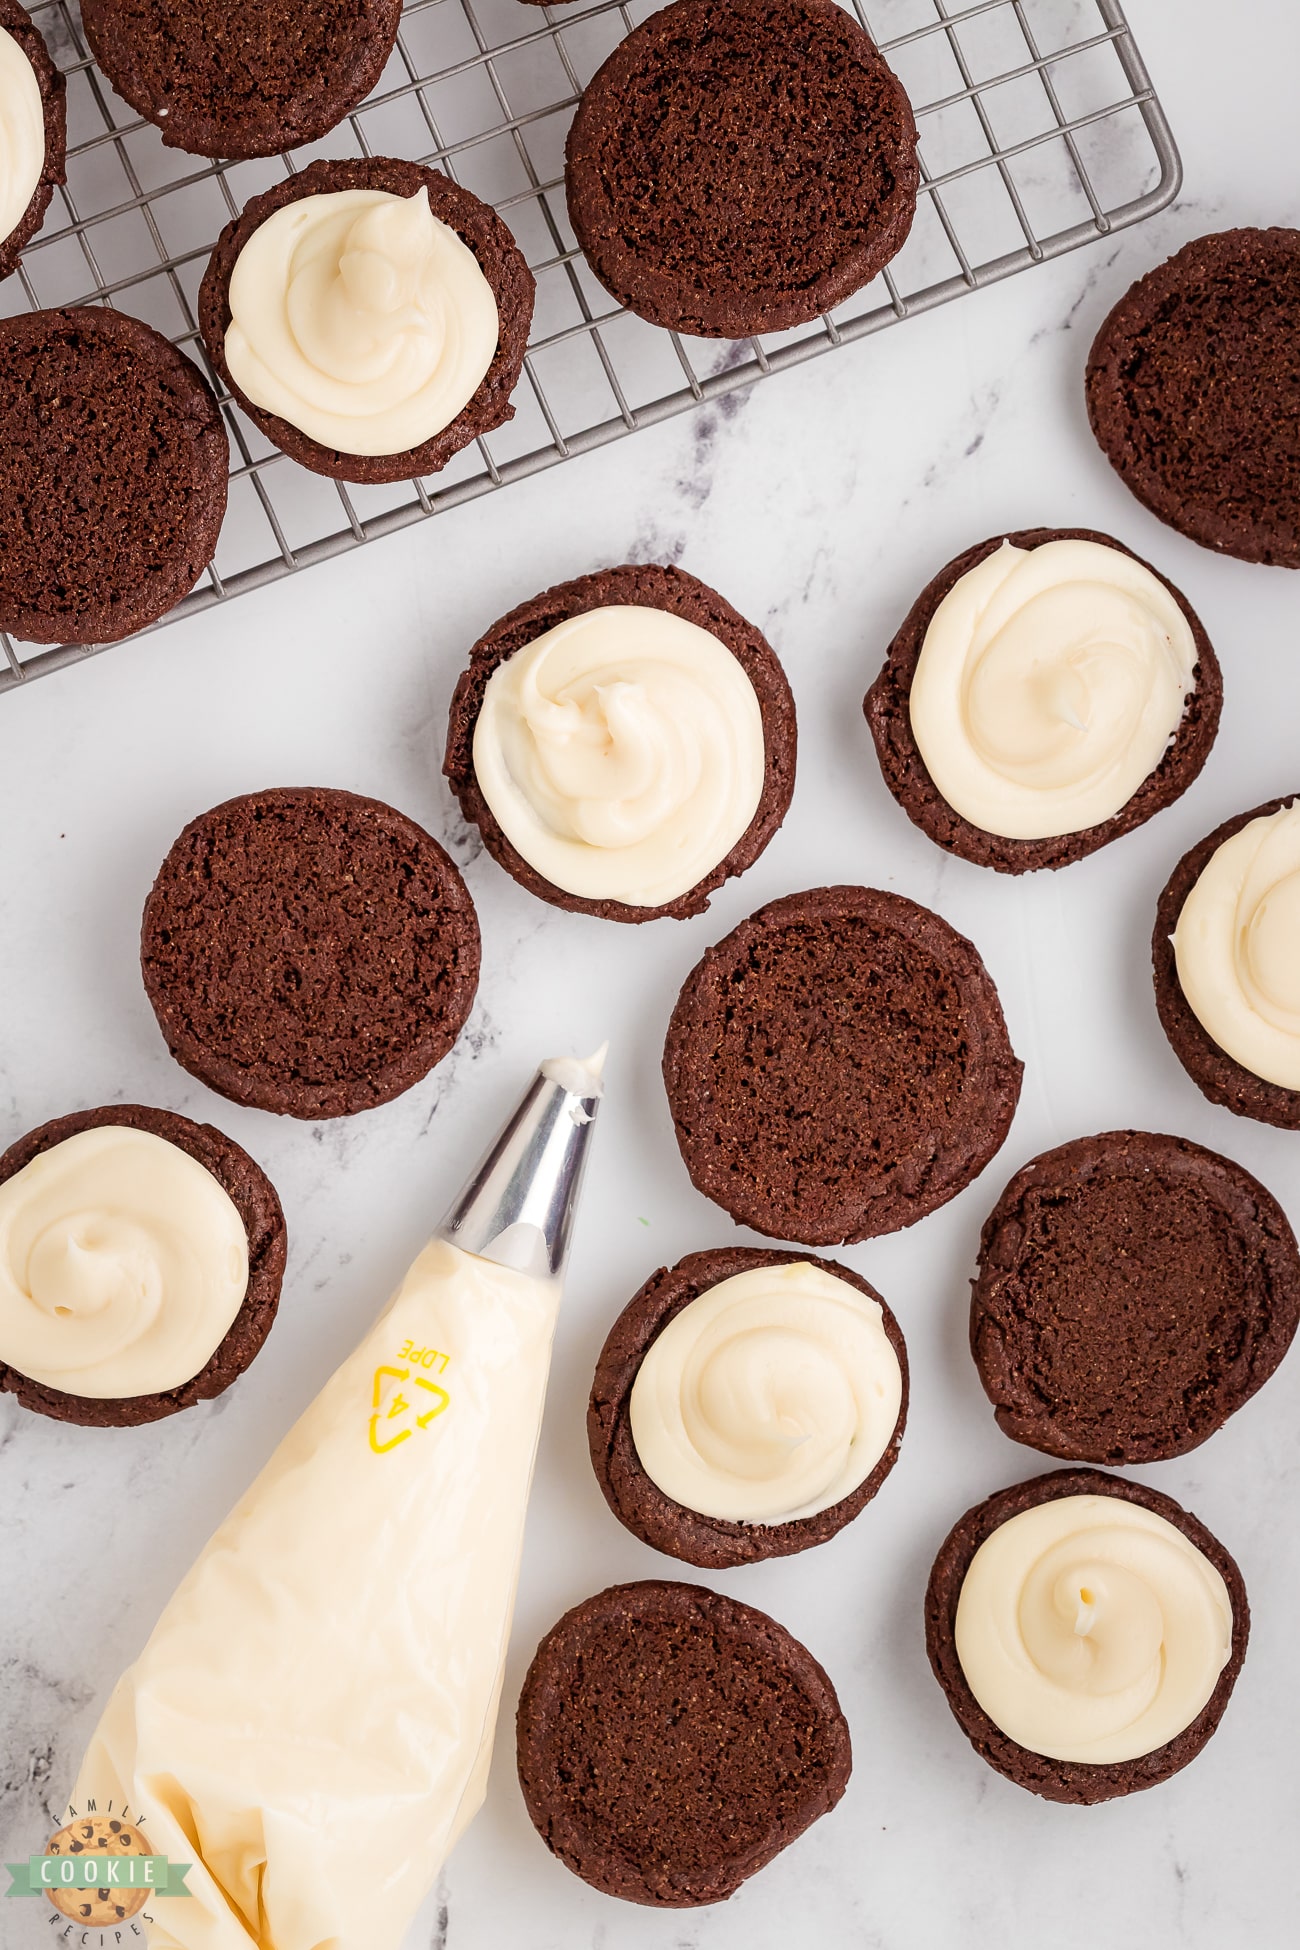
{"x": 517, "y": 1207}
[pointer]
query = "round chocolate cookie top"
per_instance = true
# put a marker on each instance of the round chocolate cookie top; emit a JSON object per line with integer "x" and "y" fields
{"x": 672, "y": 1741}
{"x": 1217, "y": 1075}
{"x": 479, "y": 228}
{"x": 887, "y": 706}
{"x": 309, "y": 951}
{"x": 254, "y": 1198}
{"x": 650, "y": 586}
{"x": 636, "y": 1500}
{"x": 838, "y": 1066}
{"x": 1133, "y": 1291}
{"x": 1194, "y": 395}
{"x": 1080, "y": 1782}
{"x": 18, "y": 24}
{"x": 113, "y": 461}
{"x": 242, "y": 77}
{"x": 742, "y": 167}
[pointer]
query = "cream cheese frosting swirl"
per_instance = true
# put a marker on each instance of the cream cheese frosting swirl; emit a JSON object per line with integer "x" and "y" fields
{"x": 1237, "y": 947}
{"x": 1091, "y": 1629}
{"x": 360, "y": 318}
{"x": 1049, "y": 686}
{"x": 22, "y": 134}
{"x": 122, "y": 1265}
{"x": 622, "y": 754}
{"x": 768, "y": 1398}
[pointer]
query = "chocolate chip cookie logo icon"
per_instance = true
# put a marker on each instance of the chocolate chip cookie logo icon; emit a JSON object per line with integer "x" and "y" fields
{"x": 98, "y": 1873}
{"x": 405, "y": 1398}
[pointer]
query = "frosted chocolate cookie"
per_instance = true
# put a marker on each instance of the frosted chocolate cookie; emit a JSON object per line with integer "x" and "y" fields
{"x": 33, "y": 131}
{"x": 370, "y": 316}
{"x": 741, "y": 167}
{"x": 1133, "y": 1292}
{"x": 141, "y": 1258}
{"x": 838, "y": 1066}
{"x": 309, "y": 951}
{"x": 113, "y": 460}
{"x": 1087, "y": 1632}
{"x": 1226, "y": 956}
{"x": 242, "y": 77}
{"x": 672, "y": 1741}
{"x": 1194, "y": 395}
{"x": 746, "y": 1405}
{"x": 1047, "y": 692}
{"x": 624, "y": 743}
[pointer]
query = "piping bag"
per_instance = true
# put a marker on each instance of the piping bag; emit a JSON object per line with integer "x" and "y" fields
{"x": 311, "y": 1721}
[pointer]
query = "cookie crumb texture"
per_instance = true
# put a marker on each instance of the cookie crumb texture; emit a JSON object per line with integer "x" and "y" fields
{"x": 1193, "y": 393}
{"x": 672, "y": 1741}
{"x": 839, "y": 1066}
{"x": 1216, "y": 1075}
{"x": 1133, "y": 1292}
{"x": 1079, "y": 1782}
{"x": 18, "y": 24}
{"x": 113, "y": 464}
{"x": 255, "y": 1199}
{"x": 309, "y": 951}
{"x": 240, "y": 78}
{"x": 738, "y": 168}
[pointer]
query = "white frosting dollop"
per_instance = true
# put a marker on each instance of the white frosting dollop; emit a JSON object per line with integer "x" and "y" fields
{"x": 22, "y": 133}
{"x": 770, "y": 1397}
{"x": 1090, "y": 1629}
{"x": 122, "y": 1265}
{"x": 1049, "y": 685}
{"x": 622, "y": 754}
{"x": 361, "y": 319}
{"x": 1237, "y": 947}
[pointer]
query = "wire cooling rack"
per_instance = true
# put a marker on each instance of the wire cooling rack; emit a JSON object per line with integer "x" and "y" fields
{"x": 1040, "y": 131}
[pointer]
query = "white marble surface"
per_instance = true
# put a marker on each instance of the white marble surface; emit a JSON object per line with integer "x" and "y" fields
{"x": 819, "y": 503}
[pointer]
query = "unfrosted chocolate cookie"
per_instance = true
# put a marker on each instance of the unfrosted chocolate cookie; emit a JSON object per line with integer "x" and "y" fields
{"x": 98, "y": 1909}
{"x": 498, "y": 256}
{"x": 1194, "y": 393}
{"x": 741, "y": 167}
{"x": 309, "y": 951}
{"x": 838, "y": 1066}
{"x": 636, "y": 1500}
{"x": 1080, "y": 1782}
{"x": 254, "y": 1198}
{"x": 888, "y": 712}
{"x": 242, "y": 77}
{"x": 113, "y": 460}
{"x": 1216, "y": 1075}
{"x": 18, "y": 24}
{"x": 672, "y": 1741}
{"x": 1133, "y": 1292}
{"x": 650, "y": 586}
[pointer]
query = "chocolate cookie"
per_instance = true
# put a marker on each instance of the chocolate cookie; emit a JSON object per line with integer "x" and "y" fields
{"x": 499, "y": 258}
{"x": 18, "y": 24}
{"x": 113, "y": 460}
{"x": 888, "y": 712}
{"x": 1194, "y": 396}
{"x": 1216, "y": 1075}
{"x": 239, "y": 78}
{"x": 636, "y": 1500}
{"x": 741, "y": 167}
{"x": 98, "y": 1909}
{"x": 653, "y": 587}
{"x": 672, "y": 1741}
{"x": 254, "y": 1198}
{"x": 1133, "y": 1292}
{"x": 309, "y": 951}
{"x": 838, "y": 1066}
{"x": 1080, "y": 1782}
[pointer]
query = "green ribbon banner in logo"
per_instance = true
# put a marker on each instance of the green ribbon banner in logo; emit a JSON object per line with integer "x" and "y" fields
{"x": 41, "y": 1874}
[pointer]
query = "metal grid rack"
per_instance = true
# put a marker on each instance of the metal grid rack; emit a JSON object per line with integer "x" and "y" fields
{"x": 1040, "y": 132}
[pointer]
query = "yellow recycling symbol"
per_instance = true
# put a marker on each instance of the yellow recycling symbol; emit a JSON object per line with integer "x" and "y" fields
{"x": 400, "y": 1406}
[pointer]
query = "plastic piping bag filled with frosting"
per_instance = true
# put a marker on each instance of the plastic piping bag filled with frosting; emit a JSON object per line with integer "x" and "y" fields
{"x": 310, "y": 1723}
